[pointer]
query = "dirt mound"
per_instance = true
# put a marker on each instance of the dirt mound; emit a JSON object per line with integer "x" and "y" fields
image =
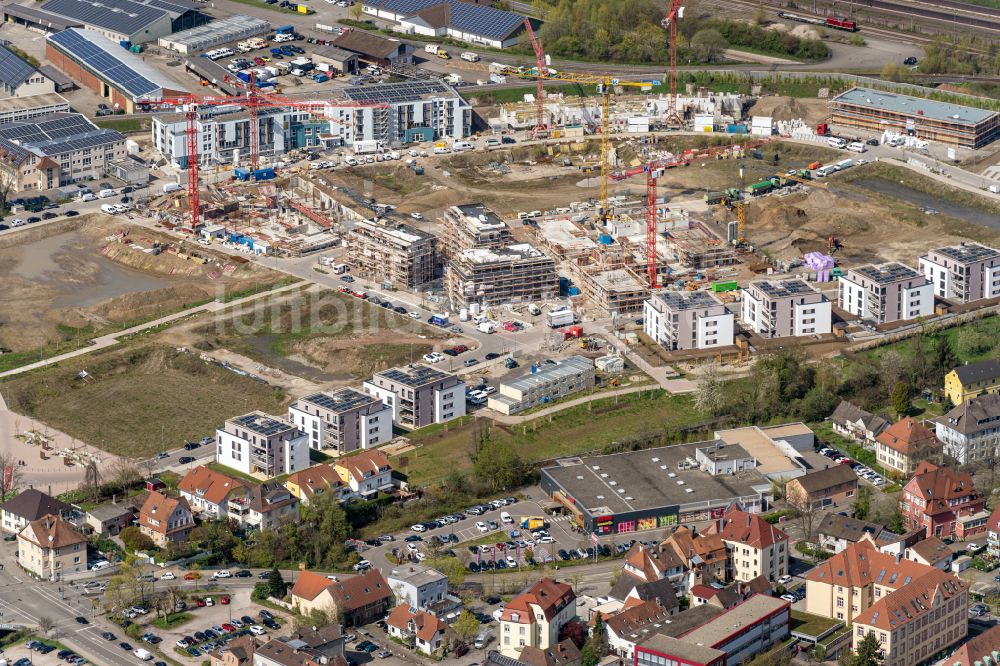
{"x": 804, "y": 32}
{"x": 811, "y": 111}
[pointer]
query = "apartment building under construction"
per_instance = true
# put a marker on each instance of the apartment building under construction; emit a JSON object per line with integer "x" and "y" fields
{"x": 473, "y": 226}
{"x": 393, "y": 253}
{"x": 513, "y": 274}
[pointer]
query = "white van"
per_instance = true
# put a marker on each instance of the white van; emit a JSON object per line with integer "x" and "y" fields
{"x": 143, "y": 654}
{"x": 171, "y": 187}
{"x": 87, "y": 196}
{"x": 824, "y": 171}
{"x": 110, "y": 209}
{"x": 461, "y": 145}
{"x": 505, "y": 518}
{"x": 492, "y": 141}
{"x": 104, "y": 194}
{"x": 836, "y": 142}
{"x": 856, "y": 147}
{"x": 471, "y": 57}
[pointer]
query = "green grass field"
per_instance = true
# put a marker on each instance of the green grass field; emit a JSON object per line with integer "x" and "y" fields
{"x": 139, "y": 399}
{"x": 124, "y": 125}
{"x": 576, "y": 430}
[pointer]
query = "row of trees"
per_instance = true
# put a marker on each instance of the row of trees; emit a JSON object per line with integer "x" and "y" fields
{"x": 631, "y": 31}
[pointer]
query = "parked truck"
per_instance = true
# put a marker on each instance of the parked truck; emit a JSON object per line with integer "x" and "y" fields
{"x": 440, "y": 319}
{"x": 560, "y": 318}
{"x": 533, "y": 523}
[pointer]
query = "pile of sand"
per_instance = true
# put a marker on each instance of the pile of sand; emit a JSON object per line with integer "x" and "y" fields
{"x": 805, "y": 32}
{"x": 811, "y": 111}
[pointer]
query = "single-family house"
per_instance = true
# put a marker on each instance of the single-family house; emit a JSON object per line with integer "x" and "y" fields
{"x": 943, "y": 502}
{"x": 832, "y": 486}
{"x": 366, "y": 473}
{"x": 421, "y": 630}
{"x": 209, "y": 492}
{"x": 534, "y": 617}
{"x": 563, "y": 653}
{"x": 905, "y": 443}
{"x": 858, "y": 424}
{"x": 314, "y": 480}
{"x": 165, "y": 519}
{"x": 29, "y": 505}
{"x": 972, "y": 380}
{"x": 50, "y": 548}
{"x": 109, "y": 519}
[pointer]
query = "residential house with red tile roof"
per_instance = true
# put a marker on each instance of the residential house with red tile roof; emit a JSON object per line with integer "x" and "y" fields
{"x": 931, "y": 551}
{"x": 265, "y": 506}
{"x": 943, "y": 502}
{"x": 209, "y": 492}
{"x": 977, "y": 650}
{"x": 905, "y": 443}
{"x": 701, "y": 553}
{"x": 357, "y": 599}
{"x": 50, "y": 548}
{"x": 633, "y": 623}
{"x": 534, "y": 617}
{"x": 165, "y": 519}
{"x": 424, "y": 632}
{"x": 366, "y": 473}
{"x": 993, "y": 533}
{"x": 311, "y": 592}
{"x": 754, "y": 546}
{"x": 314, "y": 480}
{"x": 918, "y": 620}
{"x": 730, "y": 596}
{"x": 564, "y": 653}
{"x": 238, "y": 652}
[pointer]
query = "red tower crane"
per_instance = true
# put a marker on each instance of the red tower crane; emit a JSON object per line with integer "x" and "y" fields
{"x": 536, "y": 44}
{"x": 674, "y": 12}
{"x": 254, "y": 101}
{"x": 653, "y": 171}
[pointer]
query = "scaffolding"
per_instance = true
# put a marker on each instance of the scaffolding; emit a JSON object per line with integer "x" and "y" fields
{"x": 515, "y": 274}
{"x": 472, "y": 226}
{"x": 392, "y": 253}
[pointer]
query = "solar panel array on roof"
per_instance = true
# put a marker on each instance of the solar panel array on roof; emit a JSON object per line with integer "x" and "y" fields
{"x": 13, "y": 70}
{"x": 784, "y": 288}
{"x": 890, "y": 272}
{"x": 339, "y": 401}
{"x": 121, "y": 16}
{"x": 687, "y": 300}
{"x": 176, "y": 7}
{"x": 967, "y": 252}
{"x": 262, "y": 424}
{"x": 86, "y": 47}
{"x": 394, "y": 93}
{"x": 466, "y": 17}
{"x": 414, "y": 375}
{"x": 56, "y": 133}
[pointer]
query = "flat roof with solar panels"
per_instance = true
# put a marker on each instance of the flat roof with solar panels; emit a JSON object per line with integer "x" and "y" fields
{"x": 678, "y": 301}
{"x": 966, "y": 253}
{"x": 400, "y": 93}
{"x": 775, "y": 289}
{"x": 414, "y": 376}
{"x": 113, "y": 65}
{"x": 887, "y": 273}
{"x": 339, "y": 401}
{"x": 262, "y": 424}
{"x": 55, "y": 134}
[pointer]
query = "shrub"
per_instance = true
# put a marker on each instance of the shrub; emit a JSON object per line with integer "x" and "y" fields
{"x": 135, "y": 540}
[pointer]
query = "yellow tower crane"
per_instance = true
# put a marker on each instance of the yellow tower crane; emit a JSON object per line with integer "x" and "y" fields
{"x": 606, "y": 86}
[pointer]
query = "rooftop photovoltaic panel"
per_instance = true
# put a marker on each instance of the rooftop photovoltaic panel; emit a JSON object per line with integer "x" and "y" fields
{"x": 967, "y": 252}
{"x": 13, "y": 70}
{"x": 54, "y": 134}
{"x": 688, "y": 300}
{"x": 465, "y": 16}
{"x": 890, "y": 272}
{"x": 119, "y": 16}
{"x": 339, "y": 401}
{"x": 109, "y": 61}
{"x": 262, "y": 424}
{"x": 392, "y": 93}
{"x": 783, "y": 288}
{"x": 414, "y": 375}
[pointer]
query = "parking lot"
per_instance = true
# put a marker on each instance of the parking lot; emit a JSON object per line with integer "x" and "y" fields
{"x": 862, "y": 470}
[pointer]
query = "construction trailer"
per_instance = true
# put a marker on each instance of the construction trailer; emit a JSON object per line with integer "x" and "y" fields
{"x": 394, "y": 253}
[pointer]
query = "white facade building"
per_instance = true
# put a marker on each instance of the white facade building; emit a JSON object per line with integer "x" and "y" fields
{"x": 963, "y": 273}
{"x": 262, "y": 446}
{"x": 688, "y": 320}
{"x": 344, "y": 420}
{"x": 786, "y": 308}
{"x": 419, "y": 395}
{"x": 886, "y": 293}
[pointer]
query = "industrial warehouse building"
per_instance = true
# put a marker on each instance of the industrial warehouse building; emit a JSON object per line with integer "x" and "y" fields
{"x": 878, "y": 111}
{"x": 544, "y": 384}
{"x": 205, "y": 37}
{"x": 655, "y": 488}
{"x": 225, "y": 134}
{"x": 408, "y": 111}
{"x": 132, "y": 21}
{"x": 14, "y": 109}
{"x": 112, "y": 72}
{"x": 457, "y": 19}
{"x": 685, "y": 483}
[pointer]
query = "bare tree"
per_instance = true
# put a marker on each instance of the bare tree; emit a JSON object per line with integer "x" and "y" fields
{"x": 91, "y": 476}
{"x": 709, "y": 396}
{"x": 808, "y": 513}
{"x": 46, "y": 624}
{"x": 10, "y": 474}
{"x": 125, "y": 473}
{"x": 10, "y": 172}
